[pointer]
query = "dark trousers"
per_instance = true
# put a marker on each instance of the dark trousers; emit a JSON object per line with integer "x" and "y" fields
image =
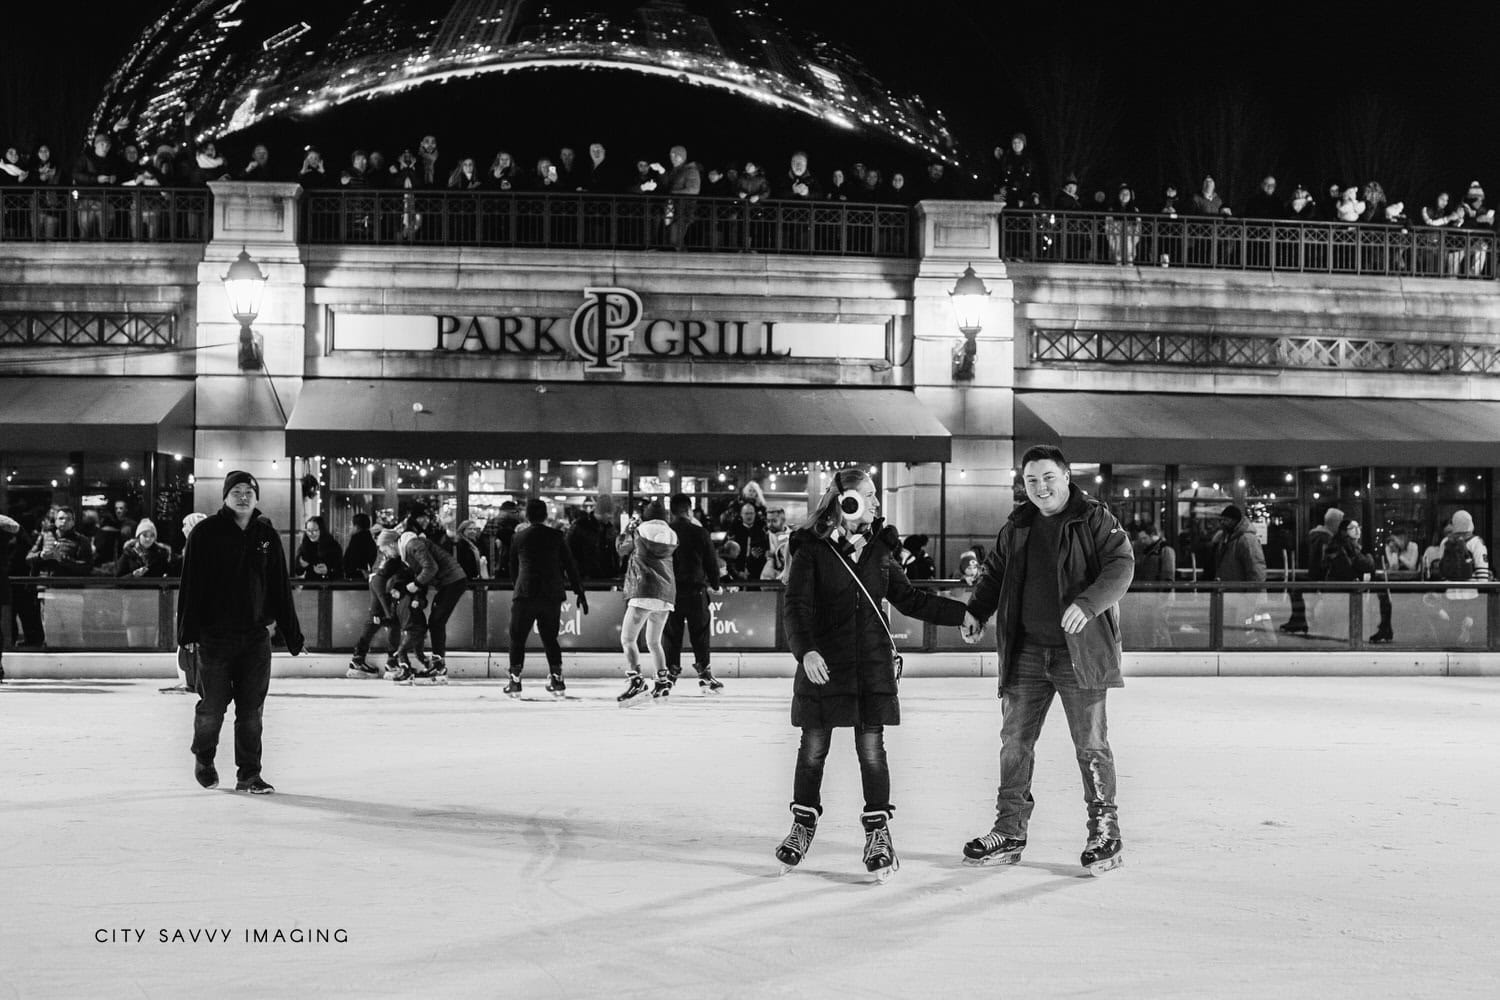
{"x": 372, "y": 629}
{"x": 5, "y": 616}
{"x": 237, "y": 668}
{"x": 874, "y": 773}
{"x": 691, "y": 610}
{"x": 28, "y": 611}
{"x": 442, "y": 609}
{"x": 546, "y": 615}
{"x": 1041, "y": 673}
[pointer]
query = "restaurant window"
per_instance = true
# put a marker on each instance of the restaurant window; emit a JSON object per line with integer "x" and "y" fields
{"x": 158, "y": 486}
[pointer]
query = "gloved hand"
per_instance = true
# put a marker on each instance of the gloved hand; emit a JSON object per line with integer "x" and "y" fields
{"x": 583, "y": 603}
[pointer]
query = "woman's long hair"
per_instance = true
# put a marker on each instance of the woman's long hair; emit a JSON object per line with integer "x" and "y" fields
{"x": 827, "y": 515}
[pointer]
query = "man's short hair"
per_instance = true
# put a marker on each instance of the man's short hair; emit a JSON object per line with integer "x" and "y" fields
{"x": 776, "y": 510}
{"x": 681, "y": 503}
{"x": 1044, "y": 453}
{"x": 536, "y": 510}
{"x": 361, "y": 521}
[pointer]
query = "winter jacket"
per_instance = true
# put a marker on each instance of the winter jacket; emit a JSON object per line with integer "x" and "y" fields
{"x": 382, "y": 580}
{"x": 1094, "y": 569}
{"x": 467, "y": 554}
{"x": 826, "y": 611}
{"x": 541, "y": 562}
{"x": 360, "y": 556}
{"x": 326, "y": 551}
{"x": 234, "y": 580}
{"x": 695, "y": 565}
{"x": 153, "y": 560}
{"x": 649, "y": 571}
{"x": 430, "y": 564}
{"x": 592, "y": 549}
{"x": 1343, "y": 561}
{"x": 1238, "y": 554}
{"x": 68, "y": 554}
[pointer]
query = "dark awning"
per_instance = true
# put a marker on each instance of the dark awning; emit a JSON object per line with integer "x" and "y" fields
{"x": 115, "y": 413}
{"x": 1162, "y": 428}
{"x": 592, "y": 419}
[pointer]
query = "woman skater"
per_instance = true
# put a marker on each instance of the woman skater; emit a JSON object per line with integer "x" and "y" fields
{"x": 650, "y": 595}
{"x": 843, "y": 564}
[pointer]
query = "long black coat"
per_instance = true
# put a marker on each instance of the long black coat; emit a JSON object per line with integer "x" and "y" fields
{"x": 825, "y": 611}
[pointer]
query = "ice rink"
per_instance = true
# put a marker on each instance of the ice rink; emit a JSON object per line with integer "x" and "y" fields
{"x": 1284, "y": 837}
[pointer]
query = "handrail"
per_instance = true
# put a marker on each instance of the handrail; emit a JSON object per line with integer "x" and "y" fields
{"x": 99, "y": 214}
{"x": 1232, "y": 243}
{"x": 585, "y": 221}
{"x": 105, "y": 614}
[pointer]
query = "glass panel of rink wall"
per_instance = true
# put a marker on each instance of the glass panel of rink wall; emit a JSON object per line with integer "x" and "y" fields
{"x": 103, "y": 617}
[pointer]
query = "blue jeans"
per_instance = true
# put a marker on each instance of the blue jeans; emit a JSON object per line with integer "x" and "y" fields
{"x": 1042, "y": 672}
{"x": 874, "y": 772}
{"x": 237, "y": 668}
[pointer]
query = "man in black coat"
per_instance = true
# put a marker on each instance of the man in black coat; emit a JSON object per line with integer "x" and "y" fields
{"x": 695, "y": 567}
{"x": 10, "y": 529}
{"x": 235, "y": 588}
{"x": 539, "y": 559}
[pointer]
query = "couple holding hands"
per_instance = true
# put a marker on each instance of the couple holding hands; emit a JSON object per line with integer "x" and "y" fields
{"x": 1054, "y": 578}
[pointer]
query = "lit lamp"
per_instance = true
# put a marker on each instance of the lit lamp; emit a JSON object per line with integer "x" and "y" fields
{"x": 245, "y": 284}
{"x": 969, "y": 297}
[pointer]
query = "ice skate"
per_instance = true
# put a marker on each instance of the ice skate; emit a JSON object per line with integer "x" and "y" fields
{"x": 663, "y": 685}
{"x": 392, "y": 667}
{"x": 402, "y": 673}
{"x": 555, "y": 686}
{"x": 707, "y": 682}
{"x": 794, "y": 848}
{"x": 1100, "y": 855}
{"x": 514, "y": 687}
{"x": 206, "y": 773}
{"x": 434, "y": 671}
{"x": 360, "y": 670}
{"x": 635, "y": 692}
{"x": 880, "y": 853}
{"x": 171, "y": 689}
{"x": 994, "y": 849}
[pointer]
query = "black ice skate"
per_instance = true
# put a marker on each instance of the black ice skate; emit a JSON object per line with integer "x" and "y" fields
{"x": 514, "y": 687}
{"x": 434, "y": 671}
{"x": 794, "y": 848}
{"x": 402, "y": 673}
{"x": 880, "y": 853}
{"x": 1100, "y": 855}
{"x": 664, "y": 682}
{"x": 555, "y": 686}
{"x": 392, "y": 667}
{"x": 994, "y": 849}
{"x": 707, "y": 682}
{"x": 635, "y": 692}
{"x": 206, "y": 773}
{"x": 360, "y": 670}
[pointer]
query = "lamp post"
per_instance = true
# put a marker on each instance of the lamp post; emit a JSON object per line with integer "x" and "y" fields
{"x": 244, "y": 285}
{"x": 969, "y": 297}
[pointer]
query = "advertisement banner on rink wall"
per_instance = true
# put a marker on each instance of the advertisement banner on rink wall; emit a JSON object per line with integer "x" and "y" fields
{"x": 737, "y": 620}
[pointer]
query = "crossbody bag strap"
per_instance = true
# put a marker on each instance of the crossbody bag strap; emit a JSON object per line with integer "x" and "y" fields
{"x": 878, "y": 614}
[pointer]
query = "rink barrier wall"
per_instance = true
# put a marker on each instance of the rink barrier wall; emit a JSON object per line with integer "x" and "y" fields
{"x": 481, "y": 667}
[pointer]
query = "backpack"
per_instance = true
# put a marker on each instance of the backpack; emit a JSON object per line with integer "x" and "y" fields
{"x": 1457, "y": 562}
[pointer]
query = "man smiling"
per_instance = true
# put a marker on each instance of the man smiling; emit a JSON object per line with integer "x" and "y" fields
{"x": 1057, "y": 571}
{"x": 234, "y": 589}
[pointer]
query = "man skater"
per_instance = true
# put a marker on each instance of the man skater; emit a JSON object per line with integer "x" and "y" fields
{"x": 234, "y": 589}
{"x": 1059, "y": 567}
{"x": 539, "y": 558}
{"x": 696, "y": 568}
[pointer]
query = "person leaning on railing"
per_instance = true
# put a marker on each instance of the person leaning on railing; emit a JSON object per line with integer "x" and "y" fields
{"x": 60, "y": 549}
{"x": 143, "y": 555}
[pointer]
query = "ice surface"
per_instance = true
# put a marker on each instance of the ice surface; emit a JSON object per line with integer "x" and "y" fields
{"x": 1284, "y": 837}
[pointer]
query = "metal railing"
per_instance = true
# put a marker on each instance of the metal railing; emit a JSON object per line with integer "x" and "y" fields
{"x": 1226, "y": 243}
{"x": 605, "y": 222}
{"x": 105, "y": 214}
{"x": 105, "y": 614}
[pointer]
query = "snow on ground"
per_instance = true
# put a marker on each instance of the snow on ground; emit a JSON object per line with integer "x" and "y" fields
{"x": 1303, "y": 837}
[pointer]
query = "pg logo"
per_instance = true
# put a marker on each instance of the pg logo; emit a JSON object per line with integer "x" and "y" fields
{"x": 603, "y": 327}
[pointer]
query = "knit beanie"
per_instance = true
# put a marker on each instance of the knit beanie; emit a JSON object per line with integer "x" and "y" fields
{"x": 654, "y": 511}
{"x": 1232, "y": 514}
{"x": 1333, "y": 519}
{"x": 191, "y": 521}
{"x": 237, "y": 477}
{"x": 144, "y": 524}
{"x": 1463, "y": 523}
{"x": 388, "y": 537}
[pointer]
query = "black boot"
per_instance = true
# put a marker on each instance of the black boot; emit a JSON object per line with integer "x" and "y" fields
{"x": 994, "y": 849}
{"x": 793, "y": 849}
{"x": 880, "y": 853}
{"x": 1100, "y": 855}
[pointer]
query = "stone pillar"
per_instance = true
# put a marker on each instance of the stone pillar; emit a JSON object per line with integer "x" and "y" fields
{"x": 979, "y": 412}
{"x": 242, "y": 414}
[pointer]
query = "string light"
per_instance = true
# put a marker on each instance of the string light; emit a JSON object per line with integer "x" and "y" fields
{"x": 68, "y": 471}
{"x": 124, "y": 466}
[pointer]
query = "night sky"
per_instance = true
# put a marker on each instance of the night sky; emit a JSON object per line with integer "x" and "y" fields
{"x": 1141, "y": 93}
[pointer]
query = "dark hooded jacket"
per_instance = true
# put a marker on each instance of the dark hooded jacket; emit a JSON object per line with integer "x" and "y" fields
{"x": 235, "y": 581}
{"x": 827, "y": 612}
{"x": 1095, "y": 565}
